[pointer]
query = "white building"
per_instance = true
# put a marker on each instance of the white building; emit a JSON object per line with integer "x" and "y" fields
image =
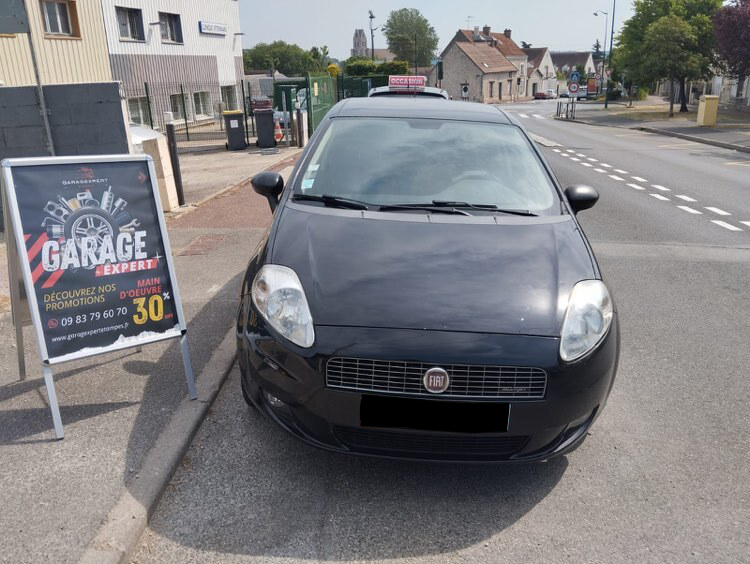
{"x": 181, "y": 56}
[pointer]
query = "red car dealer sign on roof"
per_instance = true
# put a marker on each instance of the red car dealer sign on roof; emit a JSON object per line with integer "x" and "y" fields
{"x": 407, "y": 81}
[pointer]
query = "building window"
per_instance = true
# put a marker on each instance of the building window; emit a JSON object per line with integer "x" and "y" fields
{"x": 499, "y": 89}
{"x": 171, "y": 28}
{"x": 202, "y": 103}
{"x": 130, "y": 22}
{"x": 229, "y": 97}
{"x": 59, "y": 17}
{"x": 177, "y": 107}
{"x": 138, "y": 111}
{"x": 492, "y": 88}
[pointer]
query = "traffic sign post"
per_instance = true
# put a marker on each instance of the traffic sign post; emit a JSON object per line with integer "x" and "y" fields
{"x": 573, "y": 87}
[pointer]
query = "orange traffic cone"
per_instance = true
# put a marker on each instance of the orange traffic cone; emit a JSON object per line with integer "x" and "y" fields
{"x": 277, "y": 133}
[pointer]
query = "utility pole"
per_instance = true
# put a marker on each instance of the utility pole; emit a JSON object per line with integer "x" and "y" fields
{"x": 372, "y": 36}
{"x": 415, "y": 53}
{"x": 611, "y": 44}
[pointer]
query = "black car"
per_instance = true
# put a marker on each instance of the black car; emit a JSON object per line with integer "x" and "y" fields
{"x": 425, "y": 291}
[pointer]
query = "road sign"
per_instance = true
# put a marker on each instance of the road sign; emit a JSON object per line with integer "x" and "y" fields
{"x": 92, "y": 248}
{"x": 575, "y": 76}
{"x": 573, "y": 87}
{"x": 598, "y": 76}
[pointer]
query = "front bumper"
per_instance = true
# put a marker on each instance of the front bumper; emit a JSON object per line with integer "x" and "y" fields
{"x": 330, "y": 419}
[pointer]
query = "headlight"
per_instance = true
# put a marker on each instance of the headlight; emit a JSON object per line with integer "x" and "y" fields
{"x": 280, "y": 299}
{"x": 587, "y": 319}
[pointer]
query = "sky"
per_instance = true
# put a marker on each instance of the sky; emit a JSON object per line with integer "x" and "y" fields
{"x": 561, "y": 25}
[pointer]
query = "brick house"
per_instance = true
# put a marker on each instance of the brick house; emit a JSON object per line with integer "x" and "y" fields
{"x": 482, "y": 66}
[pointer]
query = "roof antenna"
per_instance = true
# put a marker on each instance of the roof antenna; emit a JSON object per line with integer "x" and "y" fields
{"x": 468, "y": 21}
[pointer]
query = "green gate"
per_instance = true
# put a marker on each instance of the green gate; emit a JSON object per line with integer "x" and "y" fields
{"x": 359, "y": 86}
{"x": 321, "y": 98}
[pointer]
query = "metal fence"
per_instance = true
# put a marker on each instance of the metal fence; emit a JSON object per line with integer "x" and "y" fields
{"x": 197, "y": 109}
{"x": 359, "y": 86}
{"x": 322, "y": 95}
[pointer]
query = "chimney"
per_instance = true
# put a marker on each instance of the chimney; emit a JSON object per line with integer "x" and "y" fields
{"x": 476, "y": 33}
{"x": 486, "y": 30}
{"x": 507, "y": 33}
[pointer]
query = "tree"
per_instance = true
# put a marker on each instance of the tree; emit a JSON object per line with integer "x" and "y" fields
{"x": 636, "y": 59}
{"x": 286, "y": 58}
{"x": 405, "y": 26}
{"x": 320, "y": 56}
{"x": 672, "y": 44}
{"x": 732, "y": 33}
{"x": 596, "y": 51}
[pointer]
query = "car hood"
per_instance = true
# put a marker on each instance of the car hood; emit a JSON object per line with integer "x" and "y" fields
{"x": 434, "y": 272}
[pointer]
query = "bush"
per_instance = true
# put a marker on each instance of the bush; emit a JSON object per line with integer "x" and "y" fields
{"x": 614, "y": 94}
{"x": 360, "y": 68}
{"x": 392, "y": 67}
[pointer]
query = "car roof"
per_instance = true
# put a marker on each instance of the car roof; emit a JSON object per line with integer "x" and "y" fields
{"x": 419, "y": 107}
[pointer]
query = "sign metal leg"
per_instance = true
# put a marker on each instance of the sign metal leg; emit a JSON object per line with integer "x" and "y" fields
{"x": 20, "y": 351}
{"x": 54, "y": 408}
{"x": 188, "y": 368}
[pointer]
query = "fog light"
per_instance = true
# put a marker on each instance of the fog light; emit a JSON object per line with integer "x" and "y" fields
{"x": 273, "y": 400}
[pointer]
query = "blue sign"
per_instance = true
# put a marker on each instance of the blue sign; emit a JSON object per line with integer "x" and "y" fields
{"x": 575, "y": 76}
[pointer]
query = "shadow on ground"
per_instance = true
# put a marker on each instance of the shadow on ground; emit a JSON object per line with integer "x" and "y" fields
{"x": 247, "y": 488}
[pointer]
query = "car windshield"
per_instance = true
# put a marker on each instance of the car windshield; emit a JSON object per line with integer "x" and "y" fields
{"x": 383, "y": 161}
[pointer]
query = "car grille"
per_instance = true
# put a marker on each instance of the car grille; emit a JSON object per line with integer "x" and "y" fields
{"x": 376, "y": 440}
{"x": 466, "y": 381}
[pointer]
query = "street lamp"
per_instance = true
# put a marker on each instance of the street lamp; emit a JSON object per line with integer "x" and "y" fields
{"x": 372, "y": 35}
{"x": 604, "y": 60}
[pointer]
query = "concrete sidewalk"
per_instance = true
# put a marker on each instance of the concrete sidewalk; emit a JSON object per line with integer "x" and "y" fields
{"x": 90, "y": 494}
{"x": 731, "y": 132}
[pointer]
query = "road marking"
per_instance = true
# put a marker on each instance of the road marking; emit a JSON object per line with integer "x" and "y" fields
{"x": 690, "y": 210}
{"x": 718, "y": 211}
{"x": 738, "y": 163}
{"x": 600, "y": 170}
{"x": 726, "y": 225}
{"x": 213, "y": 289}
{"x": 679, "y": 146}
{"x": 745, "y": 223}
{"x": 636, "y": 186}
{"x": 659, "y": 197}
{"x": 686, "y": 198}
{"x": 638, "y": 179}
{"x": 619, "y": 170}
{"x": 570, "y": 150}
{"x": 556, "y": 150}
{"x": 580, "y": 155}
{"x": 606, "y": 165}
{"x": 574, "y": 159}
{"x": 537, "y": 116}
{"x": 592, "y": 160}
{"x": 587, "y": 164}
{"x": 523, "y": 116}
{"x": 660, "y": 187}
{"x": 615, "y": 177}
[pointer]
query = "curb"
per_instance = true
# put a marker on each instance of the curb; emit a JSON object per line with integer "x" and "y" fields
{"x": 696, "y": 139}
{"x": 121, "y": 531}
{"x": 242, "y": 183}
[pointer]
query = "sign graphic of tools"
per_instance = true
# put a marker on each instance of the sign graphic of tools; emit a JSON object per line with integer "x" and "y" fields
{"x": 85, "y": 216}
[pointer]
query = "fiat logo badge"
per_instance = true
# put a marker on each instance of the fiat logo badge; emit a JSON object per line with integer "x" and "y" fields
{"x": 436, "y": 380}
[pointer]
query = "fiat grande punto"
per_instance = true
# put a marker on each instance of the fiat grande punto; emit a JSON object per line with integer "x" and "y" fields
{"x": 425, "y": 291}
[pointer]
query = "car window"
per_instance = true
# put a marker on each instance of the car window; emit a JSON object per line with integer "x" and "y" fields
{"x": 392, "y": 160}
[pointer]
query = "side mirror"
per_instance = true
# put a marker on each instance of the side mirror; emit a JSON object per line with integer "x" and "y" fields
{"x": 581, "y": 197}
{"x": 269, "y": 185}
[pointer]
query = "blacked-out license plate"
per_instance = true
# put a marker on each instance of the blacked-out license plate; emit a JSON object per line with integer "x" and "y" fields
{"x": 434, "y": 415}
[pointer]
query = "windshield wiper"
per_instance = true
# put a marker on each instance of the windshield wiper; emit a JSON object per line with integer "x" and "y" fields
{"x": 333, "y": 201}
{"x": 423, "y": 207}
{"x": 485, "y": 207}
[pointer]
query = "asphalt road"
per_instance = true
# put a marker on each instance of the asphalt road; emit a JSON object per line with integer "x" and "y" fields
{"x": 663, "y": 476}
